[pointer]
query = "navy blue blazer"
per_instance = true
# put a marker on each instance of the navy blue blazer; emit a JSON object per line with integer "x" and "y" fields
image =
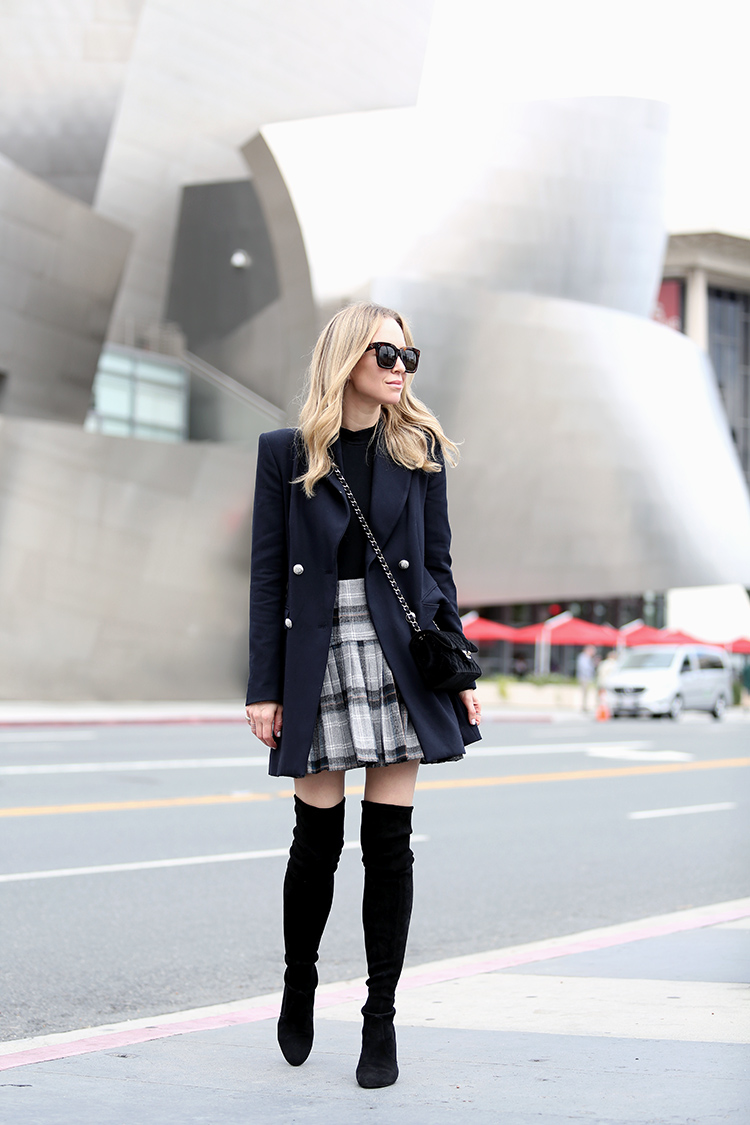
{"x": 293, "y": 583}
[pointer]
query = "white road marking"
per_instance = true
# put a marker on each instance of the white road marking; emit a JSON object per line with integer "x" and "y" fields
{"x": 642, "y": 755}
{"x": 638, "y": 751}
{"x": 48, "y": 736}
{"x": 119, "y": 767}
{"x": 152, "y": 864}
{"x": 627, "y": 751}
{"x": 551, "y": 748}
{"x": 648, "y": 814}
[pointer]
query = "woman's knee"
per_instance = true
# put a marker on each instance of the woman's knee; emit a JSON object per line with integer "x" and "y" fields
{"x": 391, "y": 785}
{"x": 321, "y": 790}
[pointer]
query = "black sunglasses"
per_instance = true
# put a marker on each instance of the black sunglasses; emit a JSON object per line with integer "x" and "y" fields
{"x": 387, "y": 354}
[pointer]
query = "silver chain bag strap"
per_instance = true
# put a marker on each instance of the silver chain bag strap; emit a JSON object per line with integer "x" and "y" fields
{"x": 443, "y": 658}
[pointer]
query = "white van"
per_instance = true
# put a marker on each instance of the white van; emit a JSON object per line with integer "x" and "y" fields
{"x": 661, "y": 680}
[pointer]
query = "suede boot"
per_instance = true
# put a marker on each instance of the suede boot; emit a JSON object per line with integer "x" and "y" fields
{"x": 386, "y": 913}
{"x": 308, "y": 893}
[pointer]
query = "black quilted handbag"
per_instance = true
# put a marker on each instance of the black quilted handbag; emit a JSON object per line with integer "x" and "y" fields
{"x": 444, "y": 659}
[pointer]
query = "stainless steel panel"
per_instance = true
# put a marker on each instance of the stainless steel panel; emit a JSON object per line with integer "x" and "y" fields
{"x": 60, "y": 265}
{"x": 123, "y": 565}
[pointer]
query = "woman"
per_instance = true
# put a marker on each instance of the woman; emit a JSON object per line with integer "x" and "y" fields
{"x": 332, "y": 683}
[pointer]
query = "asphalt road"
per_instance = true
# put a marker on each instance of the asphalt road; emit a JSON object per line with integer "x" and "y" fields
{"x": 531, "y": 837}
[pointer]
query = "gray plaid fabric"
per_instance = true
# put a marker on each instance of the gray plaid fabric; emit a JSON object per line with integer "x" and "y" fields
{"x": 361, "y": 720}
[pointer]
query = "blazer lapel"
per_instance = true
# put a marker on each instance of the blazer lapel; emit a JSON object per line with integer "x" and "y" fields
{"x": 332, "y": 499}
{"x": 390, "y": 489}
{"x": 327, "y": 513}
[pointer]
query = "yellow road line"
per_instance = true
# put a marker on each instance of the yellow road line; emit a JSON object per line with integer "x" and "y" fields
{"x": 448, "y": 783}
{"x": 160, "y": 803}
{"x": 583, "y": 775}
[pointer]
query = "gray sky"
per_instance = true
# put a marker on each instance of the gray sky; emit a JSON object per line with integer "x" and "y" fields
{"x": 345, "y": 173}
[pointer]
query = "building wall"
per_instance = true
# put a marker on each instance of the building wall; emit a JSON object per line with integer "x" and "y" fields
{"x": 123, "y": 565}
{"x": 60, "y": 265}
{"x": 210, "y": 297}
{"x": 256, "y": 324}
{"x": 558, "y": 198}
{"x": 596, "y": 459}
{"x": 62, "y": 66}
{"x": 714, "y": 272}
{"x": 202, "y": 78}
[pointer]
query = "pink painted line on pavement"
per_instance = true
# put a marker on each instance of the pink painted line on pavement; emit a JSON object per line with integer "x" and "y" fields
{"x": 125, "y": 720}
{"x": 604, "y": 941}
{"x": 109, "y": 1040}
{"x": 118, "y": 722}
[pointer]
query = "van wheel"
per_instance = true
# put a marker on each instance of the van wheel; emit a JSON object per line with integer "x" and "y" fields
{"x": 720, "y": 707}
{"x": 675, "y": 708}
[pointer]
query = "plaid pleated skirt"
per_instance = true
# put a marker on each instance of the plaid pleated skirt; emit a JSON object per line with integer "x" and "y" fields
{"x": 361, "y": 719}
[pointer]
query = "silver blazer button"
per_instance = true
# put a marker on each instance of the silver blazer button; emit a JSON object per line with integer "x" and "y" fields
{"x": 404, "y": 564}
{"x": 288, "y": 622}
{"x": 298, "y": 568}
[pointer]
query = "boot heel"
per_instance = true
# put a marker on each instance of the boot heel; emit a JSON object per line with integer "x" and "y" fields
{"x": 295, "y": 1029}
{"x": 377, "y": 1065}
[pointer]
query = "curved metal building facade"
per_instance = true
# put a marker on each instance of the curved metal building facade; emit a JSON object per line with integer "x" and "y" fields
{"x": 597, "y": 458}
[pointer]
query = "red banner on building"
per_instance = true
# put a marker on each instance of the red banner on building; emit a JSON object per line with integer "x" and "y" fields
{"x": 670, "y": 304}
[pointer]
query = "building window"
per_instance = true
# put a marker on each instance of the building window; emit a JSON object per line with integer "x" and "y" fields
{"x": 139, "y": 394}
{"x": 729, "y": 346}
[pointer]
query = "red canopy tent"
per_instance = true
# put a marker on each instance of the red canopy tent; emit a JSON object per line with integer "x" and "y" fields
{"x": 528, "y": 634}
{"x": 570, "y": 631}
{"x": 677, "y": 637}
{"x": 481, "y": 629}
{"x": 574, "y": 631}
{"x": 647, "y": 635}
{"x": 742, "y": 644}
{"x": 643, "y": 635}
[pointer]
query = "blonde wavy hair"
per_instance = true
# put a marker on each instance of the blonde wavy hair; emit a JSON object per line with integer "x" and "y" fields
{"x": 410, "y": 432}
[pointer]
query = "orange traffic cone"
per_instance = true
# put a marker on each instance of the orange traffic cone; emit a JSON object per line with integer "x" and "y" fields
{"x": 602, "y": 709}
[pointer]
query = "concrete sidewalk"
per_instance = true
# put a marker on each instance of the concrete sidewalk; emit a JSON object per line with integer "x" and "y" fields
{"x": 639, "y": 1023}
{"x": 22, "y": 714}
{"x": 13, "y": 714}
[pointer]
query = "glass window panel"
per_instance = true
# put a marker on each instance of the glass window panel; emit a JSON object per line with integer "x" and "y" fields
{"x": 161, "y": 373}
{"x": 116, "y": 362}
{"x": 114, "y": 427}
{"x": 729, "y": 320}
{"x": 156, "y": 433}
{"x": 159, "y": 406}
{"x": 113, "y": 395}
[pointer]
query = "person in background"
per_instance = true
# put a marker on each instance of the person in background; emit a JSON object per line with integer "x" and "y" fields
{"x": 605, "y": 668}
{"x": 586, "y": 673}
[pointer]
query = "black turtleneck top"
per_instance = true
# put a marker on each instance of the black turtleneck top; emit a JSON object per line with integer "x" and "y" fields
{"x": 357, "y": 454}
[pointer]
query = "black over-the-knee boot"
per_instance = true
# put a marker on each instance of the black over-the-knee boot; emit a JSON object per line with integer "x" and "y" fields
{"x": 386, "y": 912}
{"x": 308, "y": 894}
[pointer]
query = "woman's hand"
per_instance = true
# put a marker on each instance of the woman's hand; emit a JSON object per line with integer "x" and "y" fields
{"x": 265, "y": 721}
{"x": 470, "y": 700}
